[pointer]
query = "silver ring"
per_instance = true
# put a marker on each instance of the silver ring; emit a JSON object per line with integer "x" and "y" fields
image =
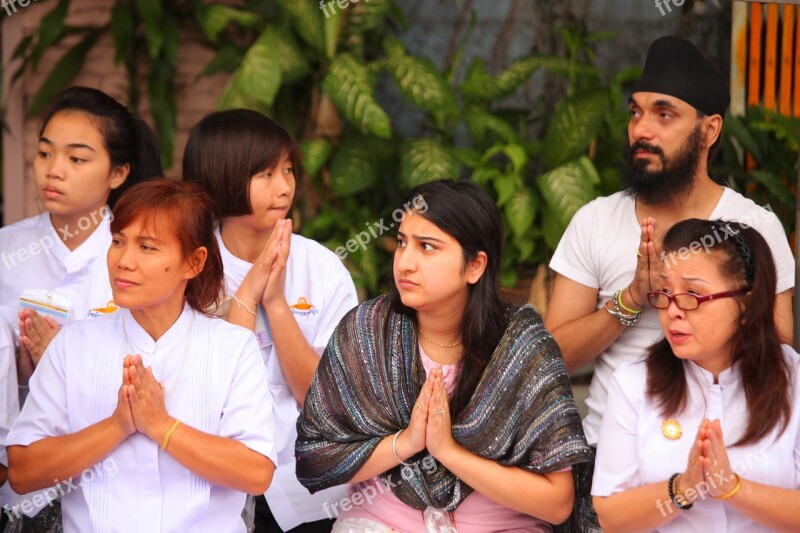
{"x": 440, "y": 412}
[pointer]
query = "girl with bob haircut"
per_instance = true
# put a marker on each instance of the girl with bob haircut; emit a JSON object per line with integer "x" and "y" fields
{"x": 704, "y": 432}
{"x": 160, "y": 412}
{"x": 90, "y": 149}
{"x": 457, "y": 402}
{"x": 292, "y": 301}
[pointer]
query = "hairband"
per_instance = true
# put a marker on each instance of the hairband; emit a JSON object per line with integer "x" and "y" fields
{"x": 744, "y": 252}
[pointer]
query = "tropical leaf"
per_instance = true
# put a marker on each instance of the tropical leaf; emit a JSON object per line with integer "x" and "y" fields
{"x": 62, "y": 74}
{"x": 227, "y": 59}
{"x": 350, "y": 86}
{"x": 552, "y": 228}
{"x": 367, "y": 15}
{"x": 420, "y": 83}
{"x": 162, "y": 106}
{"x": 333, "y": 27}
{"x": 575, "y": 122}
{"x": 480, "y": 85}
{"x": 520, "y": 211}
{"x": 736, "y": 128}
{"x": 259, "y": 76}
{"x": 425, "y": 160}
{"x": 354, "y": 167}
{"x": 51, "y": 30}
{"x": 294, "y": 64}
{"x": 569, "y": 187}
{"x": 123, "y": 31}
{"x": 315, "y": 154}
{"x": 482, "y": 126}
{"x": 214, "y": 18}
{"x": 307, "y": 19}
{"x": 774, "y": 185}
{"x": 151, "y": 13}
{"x": 233, "y": 98}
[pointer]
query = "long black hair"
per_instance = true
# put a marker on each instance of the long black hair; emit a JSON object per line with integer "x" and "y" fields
{"x": 465, "y": 211}
{"x": 127, "y": 139}
{"x": 746, "y": 260}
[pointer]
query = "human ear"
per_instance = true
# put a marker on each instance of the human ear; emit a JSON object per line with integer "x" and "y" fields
{"x": 119, "y": 174}
{"x": 197, "y": 262}
{"x": 476, "y": 267}
{"x": 712, "y": 129}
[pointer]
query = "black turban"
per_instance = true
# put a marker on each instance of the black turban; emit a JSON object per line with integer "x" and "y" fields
{"x": 675, "y": 67}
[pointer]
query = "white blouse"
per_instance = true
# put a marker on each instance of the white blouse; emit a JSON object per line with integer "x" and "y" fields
{"x": 214, "y": 381}
{"x": 320, "y": 292}
{"x": 633, "y": 451}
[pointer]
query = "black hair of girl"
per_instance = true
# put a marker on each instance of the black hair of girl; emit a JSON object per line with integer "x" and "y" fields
{"x": 463, "y": 210}
{"x": 127, "y": 139}
{"x": 747, "y": 261}
{"x": 227, "y": 148}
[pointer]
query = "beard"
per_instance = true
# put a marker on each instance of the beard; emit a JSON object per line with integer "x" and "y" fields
{"x": 668, "y": 185}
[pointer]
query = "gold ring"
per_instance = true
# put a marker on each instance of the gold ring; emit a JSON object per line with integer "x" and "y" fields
{"x": 638, "y": 252}
{"x": 140, "y": 394}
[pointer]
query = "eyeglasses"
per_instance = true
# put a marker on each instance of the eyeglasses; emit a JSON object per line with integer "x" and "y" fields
{"x": 686, "y": 301}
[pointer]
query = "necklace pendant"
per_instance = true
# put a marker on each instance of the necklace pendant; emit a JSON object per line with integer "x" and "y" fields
{"x": 671, "y": 429}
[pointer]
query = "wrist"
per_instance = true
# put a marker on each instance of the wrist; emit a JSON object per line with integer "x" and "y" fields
{"x": 403, "y": 447}
{"x": 630, "y": 301}
{"x": 120, "y": 434}
{"x": 158, "y": 430}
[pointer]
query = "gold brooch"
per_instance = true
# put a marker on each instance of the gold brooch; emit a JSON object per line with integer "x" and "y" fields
{"x": 671, "y": 429}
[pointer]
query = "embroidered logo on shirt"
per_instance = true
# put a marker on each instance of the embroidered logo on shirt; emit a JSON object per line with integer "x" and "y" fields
{"x": 100, "y": 311}
{"x": 303, "y": 308}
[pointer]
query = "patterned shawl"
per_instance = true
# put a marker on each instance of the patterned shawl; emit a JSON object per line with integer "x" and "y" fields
{"x": 522, "y": 412}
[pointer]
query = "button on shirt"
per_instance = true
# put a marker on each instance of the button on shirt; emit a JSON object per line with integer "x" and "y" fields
{"x": 632, "y": 450}
{"x": 214, "y": 381}
{"x": 320, "y": 292}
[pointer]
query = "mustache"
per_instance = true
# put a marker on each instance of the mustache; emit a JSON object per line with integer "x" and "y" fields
{"x": 641, "y": 145}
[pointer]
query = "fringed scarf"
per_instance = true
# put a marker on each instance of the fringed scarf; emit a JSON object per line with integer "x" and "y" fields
{"x": 522, "y": 412}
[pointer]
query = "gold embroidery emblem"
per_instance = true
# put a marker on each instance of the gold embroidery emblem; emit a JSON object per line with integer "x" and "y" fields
{"x": 671, "y": 429}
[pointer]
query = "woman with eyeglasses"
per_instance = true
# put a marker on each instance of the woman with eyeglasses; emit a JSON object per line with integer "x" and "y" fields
{"x": 703, "y": 433}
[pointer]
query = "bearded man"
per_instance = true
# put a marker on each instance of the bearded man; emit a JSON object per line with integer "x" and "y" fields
{"x": 609, "y": 257}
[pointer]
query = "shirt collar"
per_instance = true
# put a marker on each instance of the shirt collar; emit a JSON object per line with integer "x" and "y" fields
{"x": 727, "y": 377}
{"x": 139, "y": 340}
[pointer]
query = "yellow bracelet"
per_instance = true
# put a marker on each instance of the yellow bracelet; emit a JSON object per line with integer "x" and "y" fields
{"x": 168, "y": 434}
{"x": 731, "y": 493}
{"x": 625, "y": 307}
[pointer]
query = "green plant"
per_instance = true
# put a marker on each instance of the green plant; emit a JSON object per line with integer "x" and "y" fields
{"x": 318, "y": 75}
{"x": 773, "y": 143}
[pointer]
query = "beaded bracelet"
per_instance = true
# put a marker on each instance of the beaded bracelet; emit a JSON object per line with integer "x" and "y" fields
{"x": 625, "y": 320}
{"x": 677, "y": 498}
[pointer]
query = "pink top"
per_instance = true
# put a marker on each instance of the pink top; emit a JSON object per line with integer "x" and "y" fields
{"x": 476, "y": 514}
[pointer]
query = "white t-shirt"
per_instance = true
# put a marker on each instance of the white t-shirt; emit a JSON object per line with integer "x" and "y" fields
{"x": 214, "y": 382}
{"x": 632, "y": 450}
{"x": 598, "y": 250}
{"x": 33, "y": 256}
{"x": 9, "y": 399}
{"x": 320, "y": 292}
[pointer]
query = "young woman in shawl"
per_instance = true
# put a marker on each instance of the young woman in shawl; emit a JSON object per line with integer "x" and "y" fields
{"x": 438, "y": 396}
{"x": 157, "y": 417}
{"x": 703, "y": 434}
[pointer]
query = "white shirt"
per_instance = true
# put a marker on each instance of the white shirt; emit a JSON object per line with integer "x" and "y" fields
{"x": 9, "y": 398}
{"x": 633, "y": 451}
{"x": 598, "y": 250}
{"x": 320, "y": 292}
{"x": 214, "y": 381}
{"x": 33, "y": 256}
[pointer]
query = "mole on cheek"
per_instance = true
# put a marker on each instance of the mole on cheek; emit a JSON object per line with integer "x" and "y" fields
{"x": 166, "y": 269}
